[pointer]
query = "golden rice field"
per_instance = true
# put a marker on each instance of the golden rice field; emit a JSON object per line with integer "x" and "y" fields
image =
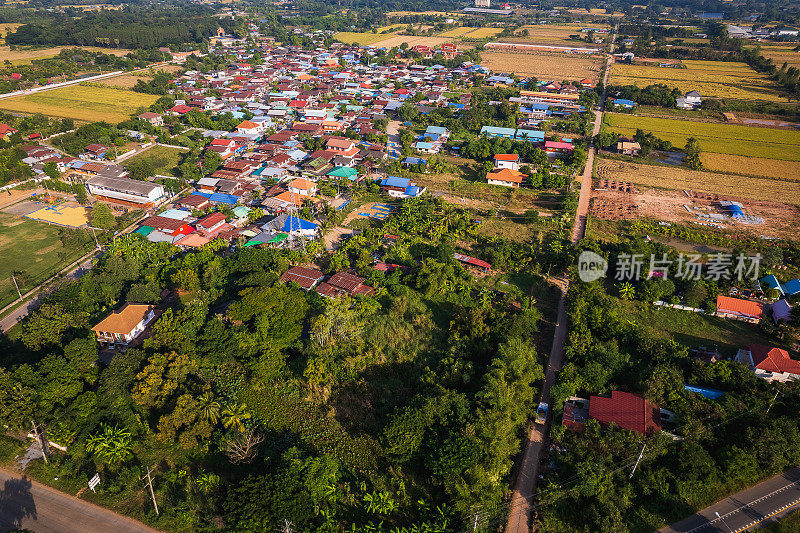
{"x": 19, "y": 57}
{"x": 543, "y": 66}
{"x": 710, "y": 78}
{"x": 412, "y": 40}
{"x": 780, "y": 54}
{"x": 555, "y": 34}
{"x": 81, "y": 102}
{"x": 482, "y": 33}
{"x": 679, "y": 178}
{"x": 748, "y": 141}
{"x": 456, "y": 32}
{"x": 361, "y": 38}
{"x": 754, "y": 166}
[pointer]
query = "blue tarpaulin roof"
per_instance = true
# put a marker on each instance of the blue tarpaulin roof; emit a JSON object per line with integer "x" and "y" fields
{"x": 295, "y": 224}
{"x": 711, "y": 394}
{"x": 396, "y": 181}
{"x": 224, "y": 198}
{"x": 792, "y": 287}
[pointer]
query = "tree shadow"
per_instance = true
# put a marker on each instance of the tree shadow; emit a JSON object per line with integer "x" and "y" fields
{"x": 16, "y": 504}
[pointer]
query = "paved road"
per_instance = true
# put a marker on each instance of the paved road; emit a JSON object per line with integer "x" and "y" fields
{"x": 747, "y": 510}
{"x": 27, "y": 504}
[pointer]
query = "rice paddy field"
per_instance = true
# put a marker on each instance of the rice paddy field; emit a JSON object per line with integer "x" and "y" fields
{"x": 456, "y": 32}
{"x": 412, "y": 40}
{"x": 361, "y": 38}
{"x": 555, "y": 34}
{"x": 781, "y": 53}
{"x": 482, "y": 33}
{"x": 711, "y": 78}
{"x": 753, "y": 166}
{"x": 81, "y": 102}
{"x": 19, "y": 57}
{"x": 732, "y": 139}
{"x": 543, "y": 66}
{"x": 678, "y": 178}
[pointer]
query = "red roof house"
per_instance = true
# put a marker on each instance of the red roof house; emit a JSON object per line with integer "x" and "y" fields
{"x": 626, "y": 410}
{"x": 304, "y": 276}
{"x": 770, "y": 363}
{"x": 739, "y": 309}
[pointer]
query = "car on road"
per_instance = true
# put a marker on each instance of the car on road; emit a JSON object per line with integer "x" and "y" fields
{"x": 541, "y": 413}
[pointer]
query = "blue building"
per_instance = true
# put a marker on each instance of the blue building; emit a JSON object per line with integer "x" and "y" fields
{"x": 493, "y": 131}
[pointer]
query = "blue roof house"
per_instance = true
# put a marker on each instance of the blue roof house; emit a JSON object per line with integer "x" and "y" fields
{"x": 772, "y": 282}
{"x": 792, "y": 287}
{"x": 621, "y": 102}
{"x": 398, "y": 187}
{"x": 493, "y": 131}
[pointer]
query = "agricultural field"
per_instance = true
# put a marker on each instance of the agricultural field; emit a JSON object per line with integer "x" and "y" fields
{"x": 162, "y": 158}
{"x": 679, "y": 178}
{"x": 733, "y": 139}
{"x": 751, "y": 166}
{"x": 361, "y": 38}
{"x": 456, "y": 32}
{"x": 20, "y": 57}
{"x": 555, "y": 34}
{"x": 781, "y": 53}
{"x": 30, "y": 247}
{"x": 543, "y": 66}
{"x": 482, "y": 33}
{"x": 412, "y": 40}
{"x": 128, "y": 81}
{"x": 711, "y": 78}
{"x": 6, "y": 28}
{"x": 81, "y": 102}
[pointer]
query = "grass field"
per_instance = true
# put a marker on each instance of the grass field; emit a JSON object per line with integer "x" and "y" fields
{"x": 81, "y": 103}
{"x": 711, "y": 78}
{"x": 164, "y": 159}
{"x": 32, "y": 247}
{"x": 679, "y": 178}
{"x": 19, "y": 57}
{"x": 482, "y": 33}
{"x": 543, "y": 66}
{"x": 456, "y": 32}
{"x": 753, "y": 166}
{"x": 718, "y": 138}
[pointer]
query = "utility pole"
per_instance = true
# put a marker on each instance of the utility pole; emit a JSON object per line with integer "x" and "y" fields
{"x": 150, "y": 484}
{"x": 641, "y": 453}
{"x": 17, "y": 286}
{"x": 41, "y": 439}
{"x": 475, "y": 522}
{"x": 287, "y": 527}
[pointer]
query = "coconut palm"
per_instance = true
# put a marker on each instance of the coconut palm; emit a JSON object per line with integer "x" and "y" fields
{"x": 234, "y": 416}
{"x": 209, "y": 407}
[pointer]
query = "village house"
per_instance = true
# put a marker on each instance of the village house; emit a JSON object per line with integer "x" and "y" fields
{"x": 306, "y": 277}
{"x": 152, "y": 118}
{"x": 769, "y": 363}
{"x": 627, "y": 146}
{"x": 623, "y": 409}
{"x": 506, "y": 161}
{"x": 738, "y": 309}
{"x": 344, "y": 284}
{"x": 122, "y": 327}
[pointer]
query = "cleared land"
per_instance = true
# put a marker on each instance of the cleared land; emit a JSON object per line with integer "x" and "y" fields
{"x": 81, "y": 103}
{"x": 163, "y": 158}
{"x": 747, "y": 141}
{"x": 456, "y": 32}
{"x": 542, "y": 65}
{"x": 678, "y": 178}
{"x": 711, "y": 78}
{"x": 19, "y": 57}
{"x": 31, "y": 247}
{"x": 753, "y": 166}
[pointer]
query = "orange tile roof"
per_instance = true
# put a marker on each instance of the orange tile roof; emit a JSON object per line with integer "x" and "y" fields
{"x": 302, "y": 184}
{"x": 742, "y": 307}
{"x": 506, "y": 174}
{"x": 124, "y": 320}
{"x": 772, "y": 359}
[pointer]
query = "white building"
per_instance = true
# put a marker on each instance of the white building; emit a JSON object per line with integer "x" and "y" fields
{"x": 510, "y": 161}
{"x": 126, "y": 191}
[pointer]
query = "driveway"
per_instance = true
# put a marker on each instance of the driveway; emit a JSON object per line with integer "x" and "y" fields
{"x": 27, "y": 504}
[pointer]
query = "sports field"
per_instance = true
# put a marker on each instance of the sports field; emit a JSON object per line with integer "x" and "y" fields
{"x": 71, "y": 215}
{"x": 713, "y": 182}
{"x": 711, "y": 78}
{"x": 718, "y": 138}
{"x": 32, "y": 247}
{"x": 542, "y": 65}
{"x": 81, "y": 103}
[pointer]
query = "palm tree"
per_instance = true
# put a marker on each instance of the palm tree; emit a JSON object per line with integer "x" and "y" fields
{"x": 234, "y": 416}
{"x": 113, "y": 445}
{"x": 209, "y": 407}
{"x": 626, "y": 291}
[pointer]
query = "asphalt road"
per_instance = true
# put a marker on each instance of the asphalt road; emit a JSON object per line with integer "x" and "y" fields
{"x": 27, "y": 504}
{"x": 747, "y": 510}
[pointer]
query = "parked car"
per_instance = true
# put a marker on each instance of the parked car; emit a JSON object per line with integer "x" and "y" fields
{"x": 541, "y": 413}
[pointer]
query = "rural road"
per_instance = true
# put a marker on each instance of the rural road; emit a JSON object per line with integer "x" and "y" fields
{"x": 27, "y": 504}
{"x": 393, "y": 139}
{"x": 519, "y": 514}
{"x": 747, "y": 510}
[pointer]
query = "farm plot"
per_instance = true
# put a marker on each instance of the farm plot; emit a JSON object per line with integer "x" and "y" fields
{"x": 752, "y": 166}
{"x": 555, "y": 34}
{"x": 362, "y": 38}
{"x": 482, "y": 33}
{"x": 19, "y": 57}
{"x": 542, "y": 65}
{"x": 733, "y": 139}
{"x": 412, "y": 40}
{"x": 711, "y": 78}
{"x": 780, "y": 54}
{"x": 713, "y": 182}
{"x": 81, "y": 102}
{"x": 456, "y": 32}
